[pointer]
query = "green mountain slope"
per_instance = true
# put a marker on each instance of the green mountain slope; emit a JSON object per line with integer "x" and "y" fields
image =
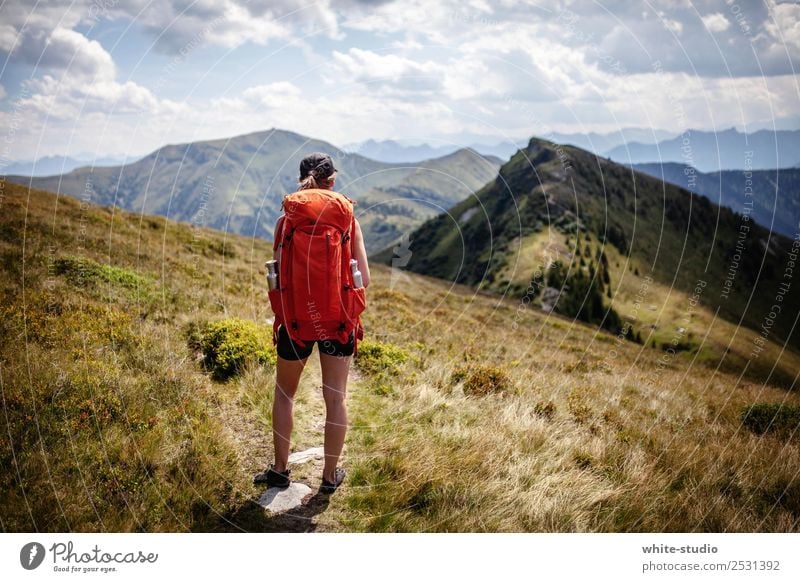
{"x": 581, "y": 234}
{"x": 236, "y": 184}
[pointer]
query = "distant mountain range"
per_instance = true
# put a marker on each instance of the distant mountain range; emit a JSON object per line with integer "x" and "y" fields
{"x": 710, "y": 151}
{"x": 707, "y": 151}
{"x": 585, "y": 236}
{"x": 415, "y": 151}
{"x": 398, "y": 151}
{"x": 237, "y": 184}
{"x": 50, "y": 165}
{"x": 773, "y": 198}
{"x": 603, "y": 142}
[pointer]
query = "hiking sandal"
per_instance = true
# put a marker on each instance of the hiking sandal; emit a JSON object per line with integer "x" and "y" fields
{"x": 274, "y": 478}
{"x": 327, "y": 486}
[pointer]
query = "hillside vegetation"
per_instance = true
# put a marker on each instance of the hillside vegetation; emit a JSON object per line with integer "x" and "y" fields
{"x": 593, "y": 240}
{"x": 237, "y": 184}
{"x": 137, "y": 384}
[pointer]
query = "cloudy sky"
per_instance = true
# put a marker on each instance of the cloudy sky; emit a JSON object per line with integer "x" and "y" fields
{"x": 123, "y": 77}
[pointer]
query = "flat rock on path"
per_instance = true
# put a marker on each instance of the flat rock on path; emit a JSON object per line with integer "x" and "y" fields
{"x": 279, "y": 500}
{"x": 307, "y": 455}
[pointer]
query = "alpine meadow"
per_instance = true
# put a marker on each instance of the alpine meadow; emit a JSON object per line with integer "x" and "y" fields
{"x": 137, "y": 378}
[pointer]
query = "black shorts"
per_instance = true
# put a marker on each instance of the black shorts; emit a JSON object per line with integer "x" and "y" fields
{"x": 289, "y": 350}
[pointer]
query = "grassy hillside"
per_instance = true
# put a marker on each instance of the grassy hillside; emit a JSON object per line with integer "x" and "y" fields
{"x": 121, "y": 414}
{"x": 772, "y": 196}
{"x": 237, "y": 184}
{"x": 599, "y": 242}
{"x": 401, "y": 198}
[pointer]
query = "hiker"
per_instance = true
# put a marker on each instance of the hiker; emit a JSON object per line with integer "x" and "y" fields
{"x": 335, "y": 346}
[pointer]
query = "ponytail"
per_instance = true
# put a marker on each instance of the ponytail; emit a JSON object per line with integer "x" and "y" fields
{"x": 311, "y": 181}
{"x": 308, "y": 182}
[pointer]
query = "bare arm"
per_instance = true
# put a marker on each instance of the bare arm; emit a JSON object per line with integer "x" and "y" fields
{"x": 361, "y": 255}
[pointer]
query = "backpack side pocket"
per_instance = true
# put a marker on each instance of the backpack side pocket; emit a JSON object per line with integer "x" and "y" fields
{"x": 276, "y": 302}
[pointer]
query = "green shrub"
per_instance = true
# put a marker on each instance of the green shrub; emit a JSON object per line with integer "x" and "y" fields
{"x": 376, "y": 357}
{"x": 81, "y": 271}
{"x": 777, "y": 418}
{"x": 230, "y": 345}
{"x": 480, "y": 380}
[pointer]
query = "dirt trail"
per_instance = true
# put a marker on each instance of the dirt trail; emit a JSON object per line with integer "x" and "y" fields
{"x": 252, "y": 442}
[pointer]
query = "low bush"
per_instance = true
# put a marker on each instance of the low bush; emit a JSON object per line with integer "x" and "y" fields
{"x": 480, "y": 380}
{"x": 545, "y": 409}
{"x": 764, "y": 417}
{"x": 375, "y": 357}
{"x": 81, "y": 271}
{"x": 230, "y": 345}
{"x": 578, "y": 407}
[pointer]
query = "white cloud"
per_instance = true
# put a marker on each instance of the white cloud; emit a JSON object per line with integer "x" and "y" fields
{"x": 86, "y": 83}
{"x": 272, "y": 95}
{"x": 716, "y": 22}
{"x": 785, "y": 27}
{"x": 78, "y": 56}
{"x": 410, "y": 69}
{"x": 675, "y": 26}
{"x": 8, "y": 38}
{"x": 389, "y": 71}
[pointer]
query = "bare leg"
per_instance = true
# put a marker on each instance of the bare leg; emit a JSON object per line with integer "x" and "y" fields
{"x": 287, "y": 378}
{"x": 334, "y": 391}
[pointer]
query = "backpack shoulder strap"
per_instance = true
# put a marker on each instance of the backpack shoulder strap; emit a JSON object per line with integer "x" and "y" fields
{"x": 278, "y": 235}
{"x": 353, "y": 237}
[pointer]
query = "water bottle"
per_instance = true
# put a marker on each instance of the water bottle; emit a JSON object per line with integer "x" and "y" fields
{"x": 272, "y": 274}
{"x": 357, "y": 280}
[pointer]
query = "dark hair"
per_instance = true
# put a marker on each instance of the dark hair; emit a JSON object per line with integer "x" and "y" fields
{"x": 316, "y": 170}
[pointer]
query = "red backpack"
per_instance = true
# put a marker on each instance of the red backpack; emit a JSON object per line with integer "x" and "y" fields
{"x": 315, "y": 298}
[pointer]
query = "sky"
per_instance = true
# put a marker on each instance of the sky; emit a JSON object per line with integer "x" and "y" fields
{"x": 124, "y": 77}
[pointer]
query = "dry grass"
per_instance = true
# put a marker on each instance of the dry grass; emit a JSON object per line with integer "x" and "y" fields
{"x": 110, "y": 423}
{"x": 585, "y": 442}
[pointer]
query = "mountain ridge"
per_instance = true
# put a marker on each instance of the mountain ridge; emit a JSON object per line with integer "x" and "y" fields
{"x": 237, "y": 183}
{"x": 606, "y": 227}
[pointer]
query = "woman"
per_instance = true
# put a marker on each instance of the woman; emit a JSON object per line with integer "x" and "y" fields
{"x": 316, "y": 171}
